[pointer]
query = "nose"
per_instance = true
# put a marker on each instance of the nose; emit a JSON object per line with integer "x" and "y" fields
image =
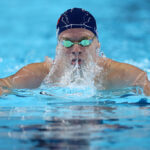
{"x": 76, "y": 50}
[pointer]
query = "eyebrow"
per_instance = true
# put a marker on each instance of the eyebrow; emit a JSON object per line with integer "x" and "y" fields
{"x": 80, "y": 39}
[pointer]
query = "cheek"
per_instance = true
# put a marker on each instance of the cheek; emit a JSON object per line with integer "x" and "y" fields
{"x": 62, "y": 51}
{"x": 67, "y": 52}
{"x": 88, "y": 50}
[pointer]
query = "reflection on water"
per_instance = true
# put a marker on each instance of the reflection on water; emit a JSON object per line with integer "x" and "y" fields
{"x": 75, "y": 125}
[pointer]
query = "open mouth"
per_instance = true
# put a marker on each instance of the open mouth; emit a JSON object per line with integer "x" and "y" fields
{"x": 74, "y": 61}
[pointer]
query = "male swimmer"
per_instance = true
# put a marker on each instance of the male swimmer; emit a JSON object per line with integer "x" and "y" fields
{"x": 77, "y": 54}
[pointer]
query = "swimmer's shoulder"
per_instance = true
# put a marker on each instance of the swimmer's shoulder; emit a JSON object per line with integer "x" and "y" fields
{"x": 112, "y": 65}
{"x": 105, "y": 62}
{"x": 30, "y": 76}
{"x": 47, "y": 63}
{"x": 38, "y": 68}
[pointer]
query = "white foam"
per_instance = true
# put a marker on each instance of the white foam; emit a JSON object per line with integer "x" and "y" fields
{"x": 75, "y": 79}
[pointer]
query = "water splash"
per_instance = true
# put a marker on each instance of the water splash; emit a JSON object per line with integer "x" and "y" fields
{"x": 75, "y": 80}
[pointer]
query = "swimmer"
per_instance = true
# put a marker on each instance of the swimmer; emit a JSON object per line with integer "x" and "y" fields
{"x": 77, "y": 52}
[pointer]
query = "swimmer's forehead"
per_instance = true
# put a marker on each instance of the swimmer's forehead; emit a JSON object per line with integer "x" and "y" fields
{"x": 76, "y": 34}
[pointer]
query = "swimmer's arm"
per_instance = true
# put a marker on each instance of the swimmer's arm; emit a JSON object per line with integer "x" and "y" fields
{"x": 126, "y": 74}
{"x": 30, "y": 77}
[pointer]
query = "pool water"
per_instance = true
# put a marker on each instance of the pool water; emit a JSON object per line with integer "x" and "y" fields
{"x": 73, "y": 118}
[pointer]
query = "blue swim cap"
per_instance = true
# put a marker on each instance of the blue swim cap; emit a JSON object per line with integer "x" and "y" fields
{"x": 76, "y": 18}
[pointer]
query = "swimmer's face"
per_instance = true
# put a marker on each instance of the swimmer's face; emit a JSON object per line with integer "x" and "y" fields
{"x": 78, "y": 53}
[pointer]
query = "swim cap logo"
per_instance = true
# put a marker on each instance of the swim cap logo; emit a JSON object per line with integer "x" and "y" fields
{"x": 58, "y": 20}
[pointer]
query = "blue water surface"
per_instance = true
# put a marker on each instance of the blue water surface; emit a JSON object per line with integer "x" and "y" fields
{"x": 65, "y": 118}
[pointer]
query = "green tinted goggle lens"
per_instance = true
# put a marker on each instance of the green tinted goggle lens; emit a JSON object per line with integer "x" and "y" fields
{"x": 67, "y": 43}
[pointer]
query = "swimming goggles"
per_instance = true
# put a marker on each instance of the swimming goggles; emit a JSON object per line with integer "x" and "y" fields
{"x": 84, "y": 43}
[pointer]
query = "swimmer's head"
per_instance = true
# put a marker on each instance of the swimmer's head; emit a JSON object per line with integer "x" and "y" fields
{"x": 77, "y": 45}
{"x": 76, "y": 18}
{"x": 77, "y": 37}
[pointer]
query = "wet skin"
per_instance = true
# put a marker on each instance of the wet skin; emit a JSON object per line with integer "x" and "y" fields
{"x": 112, "y": 74}
{"x": 78, "y": 52}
